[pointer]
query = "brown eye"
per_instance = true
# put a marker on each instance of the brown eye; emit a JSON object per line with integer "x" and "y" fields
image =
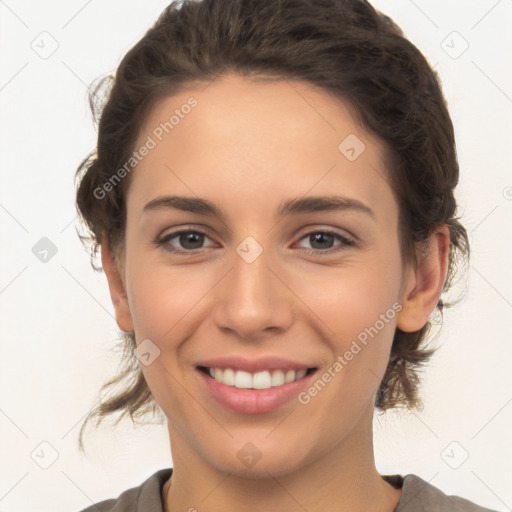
{"x": 188, "y": 241}
{"x": 323, "y": 241}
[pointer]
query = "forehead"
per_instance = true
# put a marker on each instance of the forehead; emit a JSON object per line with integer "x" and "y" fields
{"x": 285, "y": 137}
{"x": 232, "y": 106}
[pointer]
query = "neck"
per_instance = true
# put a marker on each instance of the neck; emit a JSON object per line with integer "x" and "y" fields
{"x": 345, "y": 476}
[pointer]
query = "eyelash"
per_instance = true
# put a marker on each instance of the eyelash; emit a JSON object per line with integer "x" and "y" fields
{"x": 347, "y": 242}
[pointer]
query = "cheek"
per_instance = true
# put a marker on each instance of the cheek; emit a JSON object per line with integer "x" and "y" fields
{"x": 356, "y": 307}
{"x": 351, "y": 299}
{"x": 359, "y": 324}
{"x": 162, "y": 303}
{"x": 162, "y": 298}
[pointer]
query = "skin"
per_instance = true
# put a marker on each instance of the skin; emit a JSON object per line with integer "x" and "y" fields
{"x": 248, "y": 146}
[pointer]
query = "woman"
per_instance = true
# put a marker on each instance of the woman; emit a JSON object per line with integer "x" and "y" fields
{"x": 273, "y": 197}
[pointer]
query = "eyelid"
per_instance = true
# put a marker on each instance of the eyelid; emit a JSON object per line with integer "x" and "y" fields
{"x": 163, "y": 239}
{"x": 315, "y": 228}
{"x": 345, "y": 239}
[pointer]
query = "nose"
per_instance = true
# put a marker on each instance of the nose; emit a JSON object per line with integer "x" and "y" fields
{"x": 253, "y": 300}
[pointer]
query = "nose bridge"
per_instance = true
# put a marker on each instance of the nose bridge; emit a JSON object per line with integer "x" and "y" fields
{"x": 252, "y": 299}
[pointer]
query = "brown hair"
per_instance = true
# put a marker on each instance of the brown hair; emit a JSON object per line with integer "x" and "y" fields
{"x": 346, "y": 47}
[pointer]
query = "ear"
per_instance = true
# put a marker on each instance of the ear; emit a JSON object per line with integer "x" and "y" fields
{"x": 117, "y": 287}
{"x": 423, "y": 285}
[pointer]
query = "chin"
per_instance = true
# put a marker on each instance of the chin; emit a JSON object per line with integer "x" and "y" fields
{"x": 258, "y": 461}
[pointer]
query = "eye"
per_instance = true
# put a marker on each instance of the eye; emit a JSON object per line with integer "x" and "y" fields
{"x": 322, "y": 241}
{"x": 188, "y": 239}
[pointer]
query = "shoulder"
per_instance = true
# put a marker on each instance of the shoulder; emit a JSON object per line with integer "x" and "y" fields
{"x": 421, "y": 496}
{"x": 145, "y": 497}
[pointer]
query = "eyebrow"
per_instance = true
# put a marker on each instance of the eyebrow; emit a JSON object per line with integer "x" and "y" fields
{"x": 309, "y": 204}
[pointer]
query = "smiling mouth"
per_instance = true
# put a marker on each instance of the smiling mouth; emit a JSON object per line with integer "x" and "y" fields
{"x": 259, "y": 380}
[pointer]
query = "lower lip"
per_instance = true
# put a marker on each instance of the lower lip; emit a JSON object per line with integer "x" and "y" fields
{"x": 254, "y": 401}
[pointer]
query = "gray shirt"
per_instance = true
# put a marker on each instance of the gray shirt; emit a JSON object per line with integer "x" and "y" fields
{"x": 417, "y": 496}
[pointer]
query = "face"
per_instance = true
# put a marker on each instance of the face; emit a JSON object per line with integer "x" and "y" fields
{"x": 303, "y": 286}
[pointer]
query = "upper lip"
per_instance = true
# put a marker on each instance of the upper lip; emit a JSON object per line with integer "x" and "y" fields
{"x": 269, "y": 362}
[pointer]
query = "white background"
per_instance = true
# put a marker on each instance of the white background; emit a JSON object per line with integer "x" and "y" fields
{"x": 57, "y": 326}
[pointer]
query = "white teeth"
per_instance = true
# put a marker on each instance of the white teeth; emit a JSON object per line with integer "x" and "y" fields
{"x": 277, "y": 378}
{"x": 242, "y": 379}
{"x": 300, "y": 374}
{"x": 289, "y": 376}
{"x": 259, "y": 380}
{"x": 228, "y": 377}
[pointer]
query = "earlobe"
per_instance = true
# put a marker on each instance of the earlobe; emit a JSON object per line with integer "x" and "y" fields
{"x": 116, "y": 286}
{"x": 424, "y": 284}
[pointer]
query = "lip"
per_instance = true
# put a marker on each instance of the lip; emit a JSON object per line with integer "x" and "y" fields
{"x": 236, "y": 362}
{"x": 253, "y": 401}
